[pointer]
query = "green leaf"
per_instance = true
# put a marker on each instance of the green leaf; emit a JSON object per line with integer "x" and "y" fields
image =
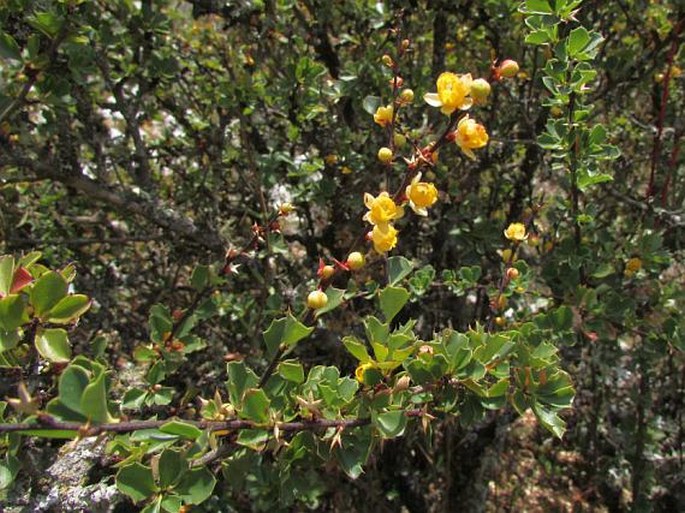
{"x": 9, "y": 49}
{"x": 200, "y": 278}
{"x": 183, "y": 429}
{"x": 171, "y": 503}
{"x": 69, "y": 309}
{"x": 256, "y": 405}
{"x": 398, "y": 268}
{"x": 94, "y": 400}
{"x": 357, "y": 349}
{"x": 171, "y": 467}
{"x": 392, "y": 299}
{"x": 287, "y": 331}
{"x": 134, "y": 398}
{"x": 586, "y": 178}
{"x": 376, "y": 330}
{"x": 30, "y": 258}
{"x": 9, "y": 339}
{"x": 6, "y": 274}
{"x": 390, "y": 424}
{"x": 538, "y": 37}
{"x": 12, "y": 312}
{"x": 577, "y": 40}
{"x": 136, "y": 481}
{"x": 155, "y": 506}
{"x": 537, "y": 7}
{"x": 354, "y": 451}
{"x": 496, "y": 347}
{"x": 72, "y": 383}
{"x": 240, "y": 378}
{"x": 335, "y": 298}
{"x": 53, "y": 345}
{"x": 196, "y": 486}
{"x": 160, "y": 323}
{"x": 371, "y": 103}
{"x": 46, "y": 22}
{"x": 255, "y": 439}
{"x": 550, "y": 420}
{"x": 48, "y": 290}
{"x": 57, "y": 434}
{"x": 292, "y": 371}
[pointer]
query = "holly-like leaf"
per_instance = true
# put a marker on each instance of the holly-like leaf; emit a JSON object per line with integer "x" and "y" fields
{"x": 240, "y": 378}
{"x": 292, "y": 371}
{"x": 256, "y": 405}
{"x": 398, "y": 268}
{"x": 357, "y": 349}
{"x": 287, "y": 331}
{"x": 392, "y": 299}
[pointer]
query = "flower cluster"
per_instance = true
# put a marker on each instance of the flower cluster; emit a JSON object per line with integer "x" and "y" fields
{"x": 382, "y": 211}
{"x": 455, "y": 92}
{"x": 460, "y": 92}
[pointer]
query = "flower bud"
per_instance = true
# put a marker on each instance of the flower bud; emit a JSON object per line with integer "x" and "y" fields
{"x": 405, "y": 44}
{"x": 285, "y": 208}
{"x": 399, "y": 140}
{"x": 317, "y": 299}
{"x": 355, "y": 261}
{"x": 508, "y": 68}
{"x": 407, "y": 96}
{"x": 327, "y": 271}
{"x": 499, "y": 320}
{"x": 556, "y": 112}
{"x": 387, "y": 60}
{"x": 402, "y": 384}
{"x": 480, "y": 90}
{"x": 513, "y": 273}
{"x": 385, "y": 155}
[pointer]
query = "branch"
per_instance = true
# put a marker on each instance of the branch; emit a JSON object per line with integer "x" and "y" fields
{"x": 47, "y": 423}
{"x": 148, "y": 208}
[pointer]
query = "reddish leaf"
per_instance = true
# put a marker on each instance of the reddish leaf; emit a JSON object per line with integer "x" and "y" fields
{"x": 21, "y": 278}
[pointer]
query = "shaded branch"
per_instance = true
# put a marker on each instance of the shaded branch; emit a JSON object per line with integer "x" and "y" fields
{"x": 126, "y": 201}
{"x": 46, "y": 422}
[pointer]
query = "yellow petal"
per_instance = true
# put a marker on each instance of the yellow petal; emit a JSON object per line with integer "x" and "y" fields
{"x": 432, "y": 99}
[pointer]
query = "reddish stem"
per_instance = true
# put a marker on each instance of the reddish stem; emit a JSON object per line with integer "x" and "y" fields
{"x": 675, "y": 45}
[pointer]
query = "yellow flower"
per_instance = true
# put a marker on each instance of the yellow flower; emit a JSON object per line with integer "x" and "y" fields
{"x": 470, "y": 136}
{"x": 421, "y": 195}
{"x": 453, "y": 93}
{"x": 383, "y": 115}
{"x": 382, "y": 209}
{"x": 384, "y": 237}
{"x": 633, "y": 265}
{"x": 516, "y": 232}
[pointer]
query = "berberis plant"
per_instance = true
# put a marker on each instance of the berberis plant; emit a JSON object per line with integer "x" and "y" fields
{"x": 328, "y": 261}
